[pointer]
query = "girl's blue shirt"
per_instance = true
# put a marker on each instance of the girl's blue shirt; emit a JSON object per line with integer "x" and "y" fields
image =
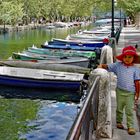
{"x": 126, "y": 75}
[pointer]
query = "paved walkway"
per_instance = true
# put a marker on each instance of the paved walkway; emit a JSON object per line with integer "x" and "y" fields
{"x": 129, "y": 36}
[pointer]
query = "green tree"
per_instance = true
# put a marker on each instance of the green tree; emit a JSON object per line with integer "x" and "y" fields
{"x": 9, "y": 14}
{"x": 132, "y": 8}
{"x": 4, "y": 12}
{"x": 64, "y": 10}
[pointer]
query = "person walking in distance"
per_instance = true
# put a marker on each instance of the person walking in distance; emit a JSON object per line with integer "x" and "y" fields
{"x": 128, "y": 87}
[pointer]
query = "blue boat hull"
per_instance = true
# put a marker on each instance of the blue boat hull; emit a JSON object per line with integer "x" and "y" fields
{"x": 38, "y": 83}
{"x": 70, "y": 47}
{"x": 55, "y": 42}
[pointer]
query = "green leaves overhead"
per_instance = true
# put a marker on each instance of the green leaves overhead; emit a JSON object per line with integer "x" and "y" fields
{"x": 5, "y": 12}
{"x": 10, "y": 12}
{"x": 129, "y": 5}
{"x": 132, "y": 8}
{"x": 49, "y": 9}
{"x": 14, "y": 10}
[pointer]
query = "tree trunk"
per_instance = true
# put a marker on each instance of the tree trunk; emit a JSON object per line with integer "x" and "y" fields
{"x": 137, "y": 20}
{"x": 4, "y": 29}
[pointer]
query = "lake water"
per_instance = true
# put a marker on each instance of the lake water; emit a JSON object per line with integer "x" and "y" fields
{"x": 22, "y": 119}
{"x": 18, "y": 41}
{"x": 25, "y": 117}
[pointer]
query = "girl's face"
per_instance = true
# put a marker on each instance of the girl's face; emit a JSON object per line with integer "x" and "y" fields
{"x": 128, "y": 59}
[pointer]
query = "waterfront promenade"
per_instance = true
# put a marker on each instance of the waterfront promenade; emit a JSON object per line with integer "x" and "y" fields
{"x": 130, "y": 35}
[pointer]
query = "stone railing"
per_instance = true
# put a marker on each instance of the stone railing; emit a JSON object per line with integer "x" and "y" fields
{"x": 94, "y": 119}
{"x": 104, "y": 121}
{"x": 86, "y": 120}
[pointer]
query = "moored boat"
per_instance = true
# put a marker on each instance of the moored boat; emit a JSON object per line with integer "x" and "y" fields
{"x": 36, "y": 78}
{"x": 79, "y": 61}
{"x": 85, "y": 43}
{"x": 87, "y": 37}
{"x": 62, "y": 52}
{"x": 97, "y": 32}
{"x": 71, "y": 47}
{"x": 45, "y": 66}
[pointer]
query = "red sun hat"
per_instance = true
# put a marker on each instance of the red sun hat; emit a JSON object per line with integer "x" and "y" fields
{"x": 129, "y": 50}
{"x": 105, "y": 40}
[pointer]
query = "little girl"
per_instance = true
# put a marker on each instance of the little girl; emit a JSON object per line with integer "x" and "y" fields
{"x": 127, "y": 91}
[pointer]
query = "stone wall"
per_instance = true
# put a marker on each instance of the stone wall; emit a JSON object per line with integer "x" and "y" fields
{"x": 104, "y": 121}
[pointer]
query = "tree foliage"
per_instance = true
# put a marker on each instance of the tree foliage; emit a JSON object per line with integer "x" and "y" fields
{"x": 65, "y": 10}
{"x": 11, "y": 12}
{"x": 5, "y": 12}
{"x": 130, "y": 7}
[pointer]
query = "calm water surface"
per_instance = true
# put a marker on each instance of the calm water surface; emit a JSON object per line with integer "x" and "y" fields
{"x": 18, "y": 41}
{"x": 33, "y": 119}
{"x": 22, "y": 119}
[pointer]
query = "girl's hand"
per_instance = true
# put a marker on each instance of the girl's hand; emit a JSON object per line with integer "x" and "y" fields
{"x": 104, "y": 66}
{"x": 136, "y": 99}
{"x": 99, "y": 66}
{"x": 135, "y": 104}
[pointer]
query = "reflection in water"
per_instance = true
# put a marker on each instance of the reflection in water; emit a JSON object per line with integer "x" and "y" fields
{"x": 14, "y": 114}
{"x": 34, "y": 119}
{"x": 54, "y": 120}
{"x": 45, "y": 94}
{"x": 18, "y": 41}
